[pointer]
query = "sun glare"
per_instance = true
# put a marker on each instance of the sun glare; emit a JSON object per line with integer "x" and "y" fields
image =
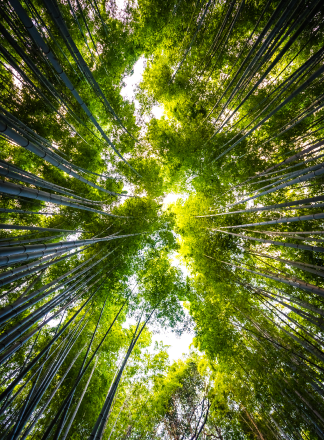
{"x": 172, "y": 198}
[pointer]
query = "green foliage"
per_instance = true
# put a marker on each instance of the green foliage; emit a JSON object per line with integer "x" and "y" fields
{"x": 226, "y": 76}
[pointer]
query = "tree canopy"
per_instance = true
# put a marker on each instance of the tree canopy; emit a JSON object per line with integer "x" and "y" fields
{"x": 88, "y": 238}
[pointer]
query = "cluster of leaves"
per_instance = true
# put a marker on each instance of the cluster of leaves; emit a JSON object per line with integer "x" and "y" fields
{"x": 220, "y": 71}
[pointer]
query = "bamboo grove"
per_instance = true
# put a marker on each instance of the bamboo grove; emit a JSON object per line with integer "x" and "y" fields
{"x": 87, "y": 242}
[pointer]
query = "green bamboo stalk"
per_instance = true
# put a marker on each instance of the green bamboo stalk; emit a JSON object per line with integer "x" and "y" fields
{"x": 317, "y": 270}
{"x": 273, "y": 207}
{"x": 36, "y": 228}
{"x": 30, "y": 193}
{"x": 54, "y": 11}
{"x": 67, "y": 429}
{"x": 281, "y": 220}
{"x": 47, "y": 155}
{"x": 29, "y": 268}
{"x": 295, "y": 282}
{"x": 276, "y": 243}
{"x": 50, "y": 55}
{"x": 64, "y": 404}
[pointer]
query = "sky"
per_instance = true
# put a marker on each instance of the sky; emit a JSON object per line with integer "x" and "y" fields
{"x": 178, "y": 345}
{"x": 128, "y": 92}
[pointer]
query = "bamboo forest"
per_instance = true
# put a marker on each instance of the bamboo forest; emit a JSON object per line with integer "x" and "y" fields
{"x": 161, "y": 231}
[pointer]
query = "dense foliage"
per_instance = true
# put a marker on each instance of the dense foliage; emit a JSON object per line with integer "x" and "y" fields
{"x": 87, "y": 242}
